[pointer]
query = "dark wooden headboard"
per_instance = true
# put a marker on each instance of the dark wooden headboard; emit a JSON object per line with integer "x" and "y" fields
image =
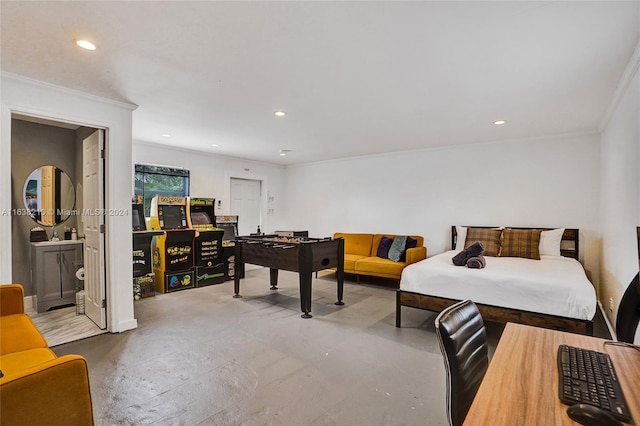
{"x": 570, "y": 248}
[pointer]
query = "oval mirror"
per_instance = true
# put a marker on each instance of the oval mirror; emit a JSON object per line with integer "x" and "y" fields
{"x": 49, "y": 196}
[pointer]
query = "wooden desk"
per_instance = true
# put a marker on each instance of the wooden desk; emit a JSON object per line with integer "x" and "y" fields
{"x": 521, "y": 384}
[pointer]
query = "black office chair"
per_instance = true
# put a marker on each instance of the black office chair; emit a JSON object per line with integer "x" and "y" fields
{"x": 463, "y": 342}
{"x": 629, "y": 312}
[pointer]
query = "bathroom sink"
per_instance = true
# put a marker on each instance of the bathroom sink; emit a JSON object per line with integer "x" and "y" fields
{"x": 58, "y": 242}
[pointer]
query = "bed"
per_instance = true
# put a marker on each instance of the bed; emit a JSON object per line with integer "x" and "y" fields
{"x": 553, "y": 292}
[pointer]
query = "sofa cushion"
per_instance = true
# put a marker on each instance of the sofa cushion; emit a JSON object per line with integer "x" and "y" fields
{"x": 350, "y": 262}
{"x": 19, "y": 334}
{"x": 411, "y": 243}
{"x": 378, "y": 237}
{"x": 19, "y": 361}
{"x": 359, "y": 244}
{"x": 378, "y": 266}
{"x": 397, "y": 248}
{"x": 384, "y": 246}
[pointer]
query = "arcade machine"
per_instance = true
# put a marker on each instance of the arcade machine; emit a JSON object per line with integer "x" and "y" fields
{"x": 230, "y": 226}
{"x": 173, "y": 254}
{"x": 209, "y": 266}
{"x": 143, "y": 285}
{"x": 292, "y": 233}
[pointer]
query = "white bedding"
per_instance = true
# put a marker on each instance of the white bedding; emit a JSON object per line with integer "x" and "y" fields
{"x": 552, "y": 285}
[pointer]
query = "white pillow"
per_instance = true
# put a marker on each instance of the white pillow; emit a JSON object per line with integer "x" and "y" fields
{"x": 461, "y": 232}
{"x": 550, "y": 242}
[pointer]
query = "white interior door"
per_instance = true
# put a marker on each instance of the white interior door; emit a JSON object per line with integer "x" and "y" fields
{"x": 92, "y": 219}
{"x": 245, "y": 202}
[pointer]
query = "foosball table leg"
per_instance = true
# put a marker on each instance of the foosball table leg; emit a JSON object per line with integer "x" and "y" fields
{"x": 236, "y": 286}
{"x": 305, "y": 294}
{"x": 273, "y": 275}
{"x": 340, "y": 274}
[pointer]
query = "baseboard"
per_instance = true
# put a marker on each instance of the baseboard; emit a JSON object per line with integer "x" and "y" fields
{"x": 125, "y": 326}
{"x": 612, "y": 330}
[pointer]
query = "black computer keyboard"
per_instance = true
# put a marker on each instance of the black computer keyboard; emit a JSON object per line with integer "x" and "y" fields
{"x": 588, "y": 377}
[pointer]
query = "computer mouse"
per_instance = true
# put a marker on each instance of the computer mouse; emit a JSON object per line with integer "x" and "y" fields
{"x": 589, "y": 415}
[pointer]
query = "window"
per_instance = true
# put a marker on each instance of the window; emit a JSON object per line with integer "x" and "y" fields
{"x": 158, "y": 180}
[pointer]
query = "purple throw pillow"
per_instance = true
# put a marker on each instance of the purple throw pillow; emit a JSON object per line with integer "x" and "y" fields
{"x": 384, "y": 246}
{"x": 411, "y": 243}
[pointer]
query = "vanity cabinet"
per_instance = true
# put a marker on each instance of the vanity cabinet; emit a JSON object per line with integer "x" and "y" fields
{"x": 53, "y": 273}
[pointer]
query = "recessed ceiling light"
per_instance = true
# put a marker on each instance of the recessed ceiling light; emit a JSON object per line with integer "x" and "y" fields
{"x": 214, "y": 144}
{"x": 166, "y": 135}
{"x": 499, "y": 122}
{"x": 280, "y": 113}
{"x": 284, "y": 152}
{"x": 86, "y": 44}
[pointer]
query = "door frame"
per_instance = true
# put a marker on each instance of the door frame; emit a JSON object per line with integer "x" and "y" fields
{"x": 7, "y": 264}
{"x": 27, "y": 96}
{"x": 226, "y": 209}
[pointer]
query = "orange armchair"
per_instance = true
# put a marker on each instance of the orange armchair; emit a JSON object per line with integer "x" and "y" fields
{"x": 36, "y": 386}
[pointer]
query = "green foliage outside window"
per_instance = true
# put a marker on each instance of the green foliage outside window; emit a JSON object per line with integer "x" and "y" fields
{"x": 157, "y": 180}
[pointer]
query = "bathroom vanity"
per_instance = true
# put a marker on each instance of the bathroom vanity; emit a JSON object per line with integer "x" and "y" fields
{"x": 53, "y": 273}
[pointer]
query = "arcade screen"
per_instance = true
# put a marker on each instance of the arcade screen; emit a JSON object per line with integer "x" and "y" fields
{"x": 200, "y": 218}
{"x": 230, "y": 231}
{"x": 172, "y": 217}
{"x": 137, "y": 217}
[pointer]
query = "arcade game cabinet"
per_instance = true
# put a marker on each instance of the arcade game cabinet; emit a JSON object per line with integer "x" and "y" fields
{"x": 229, "y": 224}
{"x": 209, "y": 265}
{"x": 173, "y": 254}
{"x": 143, "y": 283}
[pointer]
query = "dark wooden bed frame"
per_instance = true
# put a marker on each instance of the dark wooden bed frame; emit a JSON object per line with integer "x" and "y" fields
{"x": 569, "y": 248}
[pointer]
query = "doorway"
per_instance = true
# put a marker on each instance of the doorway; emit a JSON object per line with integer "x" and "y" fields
{"x": 38, "y": 143}
{"x": 246, "y": 196}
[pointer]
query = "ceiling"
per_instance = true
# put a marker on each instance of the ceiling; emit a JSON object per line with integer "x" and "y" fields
{"x": 355, "y": 78}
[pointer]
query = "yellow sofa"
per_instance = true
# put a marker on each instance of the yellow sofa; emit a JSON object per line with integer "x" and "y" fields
{"x": 36, "y": 386}
{"x": 360, "y": 255}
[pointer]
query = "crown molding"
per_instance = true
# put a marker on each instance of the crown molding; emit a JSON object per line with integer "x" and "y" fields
{"x": 140, "y": 142}
{"x": 627, "y": 77}
{"x": 77, "y": 93}
{"x": 451, "y": 147}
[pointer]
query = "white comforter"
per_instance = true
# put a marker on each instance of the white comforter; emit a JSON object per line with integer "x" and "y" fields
{"x": 551, "y": 285}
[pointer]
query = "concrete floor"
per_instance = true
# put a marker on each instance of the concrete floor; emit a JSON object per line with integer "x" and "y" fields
{"x": 200, "y": 357}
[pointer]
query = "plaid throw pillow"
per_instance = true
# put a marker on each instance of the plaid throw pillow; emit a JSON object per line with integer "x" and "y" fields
{"x": 490, "y": 239}
{"x": 521, "y": 243}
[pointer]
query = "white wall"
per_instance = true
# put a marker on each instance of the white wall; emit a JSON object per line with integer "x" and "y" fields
{"x": 34, "y": 98}
{"x": 550, "y": 182}
{"x": 620, "y": 190}
{"x": 211, "y": 175}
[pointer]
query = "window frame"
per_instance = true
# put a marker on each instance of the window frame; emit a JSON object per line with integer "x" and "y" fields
{"x": 141, "y": 171}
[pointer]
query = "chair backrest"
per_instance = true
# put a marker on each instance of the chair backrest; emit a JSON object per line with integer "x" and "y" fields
{"x": 628, "y": 316}
{"x": 463, "y": 342}
{"x": 11, "y": 299}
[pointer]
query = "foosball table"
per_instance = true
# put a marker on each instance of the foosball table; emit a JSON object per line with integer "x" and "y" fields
{"x": 303, "y": 255}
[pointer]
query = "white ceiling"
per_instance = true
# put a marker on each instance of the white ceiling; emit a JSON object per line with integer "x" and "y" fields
{"x": 356, "y": 78}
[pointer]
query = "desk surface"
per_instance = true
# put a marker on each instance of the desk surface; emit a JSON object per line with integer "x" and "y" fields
{"x": 521, "y": 384}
